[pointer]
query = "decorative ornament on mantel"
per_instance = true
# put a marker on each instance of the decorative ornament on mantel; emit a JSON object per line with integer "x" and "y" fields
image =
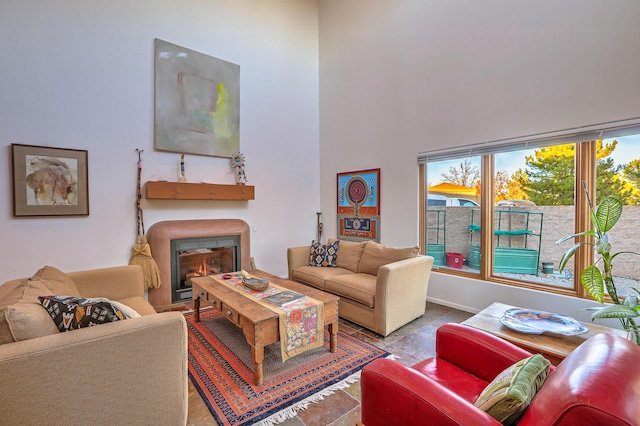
{"x": 237, "y": 163}
{"x": 183, "y": 176}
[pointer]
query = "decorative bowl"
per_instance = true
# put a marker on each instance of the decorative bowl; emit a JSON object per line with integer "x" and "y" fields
{"x": 531, "y": 321}
{"x": 257, "y": 284}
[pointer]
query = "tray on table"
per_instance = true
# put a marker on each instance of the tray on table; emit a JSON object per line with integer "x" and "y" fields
{"x": 532, "y": 321}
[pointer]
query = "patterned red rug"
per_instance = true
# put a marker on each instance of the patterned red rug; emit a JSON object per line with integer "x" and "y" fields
{"x": 220, "y": 368}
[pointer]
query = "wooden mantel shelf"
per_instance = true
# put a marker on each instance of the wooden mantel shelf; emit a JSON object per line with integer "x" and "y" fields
{"x": 197, "y": 191}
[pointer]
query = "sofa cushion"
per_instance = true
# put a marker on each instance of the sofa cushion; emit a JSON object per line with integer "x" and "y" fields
{"x": 315, "y": 276}
{"x": 127, "y": 310}
{"x": 349, "y": 254}
{"x": 72, "y": 313}
{"x": 376, "y": 255}
{"x": 323, "y": 255}
{"x": 358, "y": 287}
{"x": 139, "y": 304}
{"x": 510, "y": 393}
{"x": 56, "y": 281}
{"x": 16, "y": 291}
{"x": 23, "y": 321}
{"x": 12, "y": 294}
{"x": 19, "y": 318}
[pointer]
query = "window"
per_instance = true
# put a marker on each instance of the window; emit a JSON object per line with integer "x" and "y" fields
{"x": 534, "y": 190}
{"x": 618, "y": 175}
{"x": 496, "y": 210}
{"x": 452, "y": 193}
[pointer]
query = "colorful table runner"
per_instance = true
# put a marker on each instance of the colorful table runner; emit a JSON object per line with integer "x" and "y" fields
{"x": 301, "y": 321}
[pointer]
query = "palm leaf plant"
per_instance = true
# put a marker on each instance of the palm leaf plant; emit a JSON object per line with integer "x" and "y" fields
{"x": 595, "y": 278}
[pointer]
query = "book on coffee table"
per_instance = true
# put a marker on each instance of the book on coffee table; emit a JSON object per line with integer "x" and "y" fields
{"x": 283, "y": 298}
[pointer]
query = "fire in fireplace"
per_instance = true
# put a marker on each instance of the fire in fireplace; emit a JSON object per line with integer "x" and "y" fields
{"x": 195, "y": 257}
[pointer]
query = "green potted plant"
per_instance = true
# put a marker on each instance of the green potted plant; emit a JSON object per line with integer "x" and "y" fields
{"x": 595, "y": 278}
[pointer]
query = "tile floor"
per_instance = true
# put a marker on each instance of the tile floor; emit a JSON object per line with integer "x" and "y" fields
{"x": 411, "y": 343}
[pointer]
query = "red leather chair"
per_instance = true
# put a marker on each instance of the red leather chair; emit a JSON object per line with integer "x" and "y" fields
{"x": 597, "y": 384}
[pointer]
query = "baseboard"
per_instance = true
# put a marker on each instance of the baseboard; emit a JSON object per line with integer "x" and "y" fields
{"x": 453, "y": 305}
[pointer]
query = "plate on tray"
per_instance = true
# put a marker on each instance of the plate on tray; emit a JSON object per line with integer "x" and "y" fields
{"x": 539, "y": 322}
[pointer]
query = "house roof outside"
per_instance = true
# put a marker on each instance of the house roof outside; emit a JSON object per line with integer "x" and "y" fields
{"x": 451, "y": 189}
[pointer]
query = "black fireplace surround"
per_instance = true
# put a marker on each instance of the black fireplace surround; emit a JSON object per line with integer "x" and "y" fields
{"x": 193, "y": 257}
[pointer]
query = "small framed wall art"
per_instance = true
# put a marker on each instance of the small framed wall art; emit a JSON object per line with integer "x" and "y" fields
{"x": 49, "y": 181}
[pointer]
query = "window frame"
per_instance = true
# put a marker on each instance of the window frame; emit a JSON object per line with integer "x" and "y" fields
{"x": 585, "y": 171}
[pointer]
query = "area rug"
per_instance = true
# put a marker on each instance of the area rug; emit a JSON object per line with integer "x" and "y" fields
{"x": 220, "y": 367}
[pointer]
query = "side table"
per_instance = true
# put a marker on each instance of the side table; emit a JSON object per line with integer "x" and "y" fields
{"x": 555, "y": 349}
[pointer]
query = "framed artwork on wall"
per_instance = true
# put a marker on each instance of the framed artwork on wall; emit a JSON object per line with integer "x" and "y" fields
{"x": 359, "y": 193}
{"x": 359, "y": 229}
{"x": 358, "y": 205}
{"x": 49, "y": 181}
{"x": 197, "y": 102}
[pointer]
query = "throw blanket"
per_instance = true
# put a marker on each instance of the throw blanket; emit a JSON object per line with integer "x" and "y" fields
{"x": 301, "y": 321}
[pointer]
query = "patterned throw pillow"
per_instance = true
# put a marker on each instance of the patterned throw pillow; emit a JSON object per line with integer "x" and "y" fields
{"x": 72, "y": 313}
{"x": 324, "y": 255}
{"x": 507, "y": 397}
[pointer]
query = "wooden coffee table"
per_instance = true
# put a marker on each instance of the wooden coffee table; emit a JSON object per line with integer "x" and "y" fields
{"x": 555, "y": 349}
{"x": 260, "y": 325}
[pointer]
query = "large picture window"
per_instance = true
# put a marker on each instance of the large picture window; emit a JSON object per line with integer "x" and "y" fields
{"x": 496, "y": 210}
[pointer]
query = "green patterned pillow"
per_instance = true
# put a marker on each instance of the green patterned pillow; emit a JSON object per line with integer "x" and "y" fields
{"x": 507, "y": 397}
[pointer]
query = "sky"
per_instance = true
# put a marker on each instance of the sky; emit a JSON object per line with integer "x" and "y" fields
{"x": 628, "y": 149}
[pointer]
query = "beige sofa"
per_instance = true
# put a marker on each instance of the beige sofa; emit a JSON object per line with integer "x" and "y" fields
{"x": 381, "y": 288}
{"x": 125, "y": 372}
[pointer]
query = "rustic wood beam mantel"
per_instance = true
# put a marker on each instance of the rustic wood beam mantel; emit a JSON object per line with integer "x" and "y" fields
{"x": 161, "y": 190}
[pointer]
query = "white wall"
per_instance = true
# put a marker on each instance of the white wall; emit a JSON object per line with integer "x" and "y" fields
{"x": 80, "y": 75}
{"x": 399, "y": 78}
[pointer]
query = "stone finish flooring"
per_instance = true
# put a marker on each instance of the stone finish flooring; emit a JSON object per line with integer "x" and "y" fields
{"x": 411, "y": 343}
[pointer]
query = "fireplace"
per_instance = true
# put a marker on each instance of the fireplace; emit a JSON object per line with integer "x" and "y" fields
{"x": 196, "y": 257}
{"x": 184, "y": 249}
